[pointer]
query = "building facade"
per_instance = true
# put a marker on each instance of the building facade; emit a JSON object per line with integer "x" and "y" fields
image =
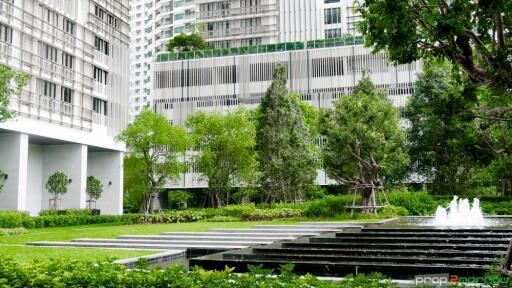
{"x": 225, "y": 24}
{"x": 320, "y": 71}
{"x": 75, "y": 54}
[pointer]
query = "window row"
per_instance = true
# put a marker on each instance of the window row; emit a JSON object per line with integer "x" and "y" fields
{"x": 55, "y": 55}
{"x": 54, "y": 91}
{"x": 105, "y": 16}
{"x": 53, "y": 18}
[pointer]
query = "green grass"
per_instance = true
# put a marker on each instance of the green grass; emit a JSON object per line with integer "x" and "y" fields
{"x": 14, "y": 245}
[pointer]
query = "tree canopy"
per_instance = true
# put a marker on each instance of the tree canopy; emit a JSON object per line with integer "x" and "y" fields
{"x": 474, "y": 35}
{"x": 285, "y": 149}
{"x": 11, "y": 84}
{"x": 365, "y": 143}
{"x": 184, "y": 42}
{"x": 157, "y": 144}
{"x": 225, "y": 146}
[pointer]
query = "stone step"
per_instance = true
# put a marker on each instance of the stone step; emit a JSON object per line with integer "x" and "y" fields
{"x": 372, "y": 252}
{"x": 334, "y": 224}
{"x": 408, "y": 235}
{"x": 135, "y": 246}
{"x": 342, "y": 239}
{"x": 353, "y": 258}
{"x": 207, "y": 243}
{"x": 303, "y": 227}
{"x": 326, "y": 268}
{"x": 272, "y": 230}
{"x": 434, "y": 230}
{"x": 223, "y": 238}
{"x": 238, "y": 233}
{"x": 394, "y": 246}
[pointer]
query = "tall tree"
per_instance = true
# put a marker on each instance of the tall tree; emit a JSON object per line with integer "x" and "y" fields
{"x": 136, "y": 185}
{"x": 184, "y": 42}
{"x": 284, "y": 145}
{"x": 11, "y": 84}
{"x": 365, "y": 143}
{"x": 226, "y": 155}
{"x": 151, "y": 139}
{"x": 442, "y": 139}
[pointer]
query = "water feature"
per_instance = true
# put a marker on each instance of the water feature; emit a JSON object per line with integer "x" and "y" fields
{"x": 460, "y": 214}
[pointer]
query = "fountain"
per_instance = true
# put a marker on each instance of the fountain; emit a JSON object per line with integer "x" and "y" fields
{"x": 460, "y": 214}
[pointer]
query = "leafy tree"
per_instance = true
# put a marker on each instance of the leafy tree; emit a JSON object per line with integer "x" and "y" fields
{"x": 94, "y": 188}
{"x": 136, "y": 184}
{"x": 474, "y": 35}
{"x": 151, "y": 139}
{"x": 184, "y": 42}
{"x": 179, "y": 198}
{"x": 226, "y": 156}
{"x": 11, "y": 84}
{"x": 57, "y": 184}
{"x": 442, "y": 140}
{"x": 286, "y": 155}
{"x": 365, "y": 143}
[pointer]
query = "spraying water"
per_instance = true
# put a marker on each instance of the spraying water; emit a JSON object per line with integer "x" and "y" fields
{"x": 460, "y": 213}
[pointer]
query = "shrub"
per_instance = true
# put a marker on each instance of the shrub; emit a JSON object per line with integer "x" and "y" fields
{"x": 179, "y": 199}
{"x": 393, "y": 211}
{"x": 12, "y": 231}
{"x": 416, "y": 203}
{"x": 12, "y": 219}
{"x": 328, "y": 206}
{"x": 271, "y": 214}
{"x": 220, "y": 218}
{"x": 54, "y": 273}
{"x": 238, "y": 210}
{"x": 183, "y": 216}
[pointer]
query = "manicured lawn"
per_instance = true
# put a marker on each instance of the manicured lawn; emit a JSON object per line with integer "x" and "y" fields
{"x": 13, "y": 246}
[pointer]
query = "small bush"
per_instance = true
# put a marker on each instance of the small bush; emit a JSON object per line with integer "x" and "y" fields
{"x": 416, "y": 203}
{"x": 220, "y": 218}
{"x": 393, "y": 211}
{"x": 329, "y": 206}
{"x": 271, "y": 214}
{"x": 12, "y": 231}
{"x": 12, "y": 219}
{"x": 238, "y": 210}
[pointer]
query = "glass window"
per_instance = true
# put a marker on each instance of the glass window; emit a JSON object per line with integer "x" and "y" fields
{"x": 66, "y": 95}
{"x": 5, "y": 33}
{"x": 99, "y": 106}
{"x": 102, "y": 45}
{"x": 67, "y": 60}
{"x": 332, "y": 15}
{"x": 100, "y": 75}
{"x": 69, "y": 26}
{"x": 333, "y": 33}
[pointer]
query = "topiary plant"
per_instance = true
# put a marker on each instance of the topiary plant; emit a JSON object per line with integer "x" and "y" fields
{"x": 94, "y": 189}
{"x": 57, "y": 185}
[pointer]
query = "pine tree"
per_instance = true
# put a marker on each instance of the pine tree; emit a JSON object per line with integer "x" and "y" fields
{"x": 286, "y": 157}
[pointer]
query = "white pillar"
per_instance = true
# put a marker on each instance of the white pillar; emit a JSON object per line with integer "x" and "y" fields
{"x": 71, "y": 159}
{"x": 13, "y": 161}
{"x": 108, "y": 168}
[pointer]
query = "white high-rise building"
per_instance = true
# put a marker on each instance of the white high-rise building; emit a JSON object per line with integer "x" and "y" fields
{"x": 75, "y": 54}
{"x": 224, "y": 24}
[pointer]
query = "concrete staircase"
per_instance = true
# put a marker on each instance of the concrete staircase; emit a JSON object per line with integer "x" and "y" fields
{"x": 213, "y": 241}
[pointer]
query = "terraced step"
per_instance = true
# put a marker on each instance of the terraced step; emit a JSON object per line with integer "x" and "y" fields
{"x": 375, "y": 252}
{"x": 345, "y": 238}
{"x": 434, "y": 230}
{"x": 323, "y": 268}
{"x": 277, "y": 230}
{"x": 134, "y": 246}
{"x": 306, "y": 227}
{"x": 292, "y": 258}
{"x": 243, "y": 233}
{"x": 405, "y": 245}
{"x": 426, "y": 234}
{"x": 223, "y": 238}
{"x": 205, "y": 243}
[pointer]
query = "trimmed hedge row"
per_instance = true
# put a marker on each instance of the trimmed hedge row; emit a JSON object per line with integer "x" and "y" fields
{"x": 61, "y": 274}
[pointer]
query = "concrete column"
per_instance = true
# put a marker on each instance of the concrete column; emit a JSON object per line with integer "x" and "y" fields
{"x": 71, "y": 159}
{"x": 108, "y": 168}
{"x": 13, "y": 161}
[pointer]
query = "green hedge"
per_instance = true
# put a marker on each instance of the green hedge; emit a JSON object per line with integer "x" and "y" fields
{"x": 84, "y": 274}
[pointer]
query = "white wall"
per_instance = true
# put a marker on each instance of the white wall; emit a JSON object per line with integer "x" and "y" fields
{"x": 108, "y": 168}
{"x": 13, "y": 161}
{"x": 35, "y": 188}
{"x": 71, "y": 159}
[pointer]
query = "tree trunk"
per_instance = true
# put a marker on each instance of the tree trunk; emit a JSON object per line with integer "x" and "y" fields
{"x": 508, "y": 260}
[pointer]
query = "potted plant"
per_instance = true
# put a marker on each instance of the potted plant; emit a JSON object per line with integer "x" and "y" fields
{"x": 57, "y": 185}
{"x": 94, "y": 189}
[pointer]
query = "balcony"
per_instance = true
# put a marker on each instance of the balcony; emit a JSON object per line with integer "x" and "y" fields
{"x": 239, "y": 31}
{"x": 38, "y": 106}
{"x": 238, "y": 11}
{"x": 101, "y": 90}
{"x": 102, "y": 58}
